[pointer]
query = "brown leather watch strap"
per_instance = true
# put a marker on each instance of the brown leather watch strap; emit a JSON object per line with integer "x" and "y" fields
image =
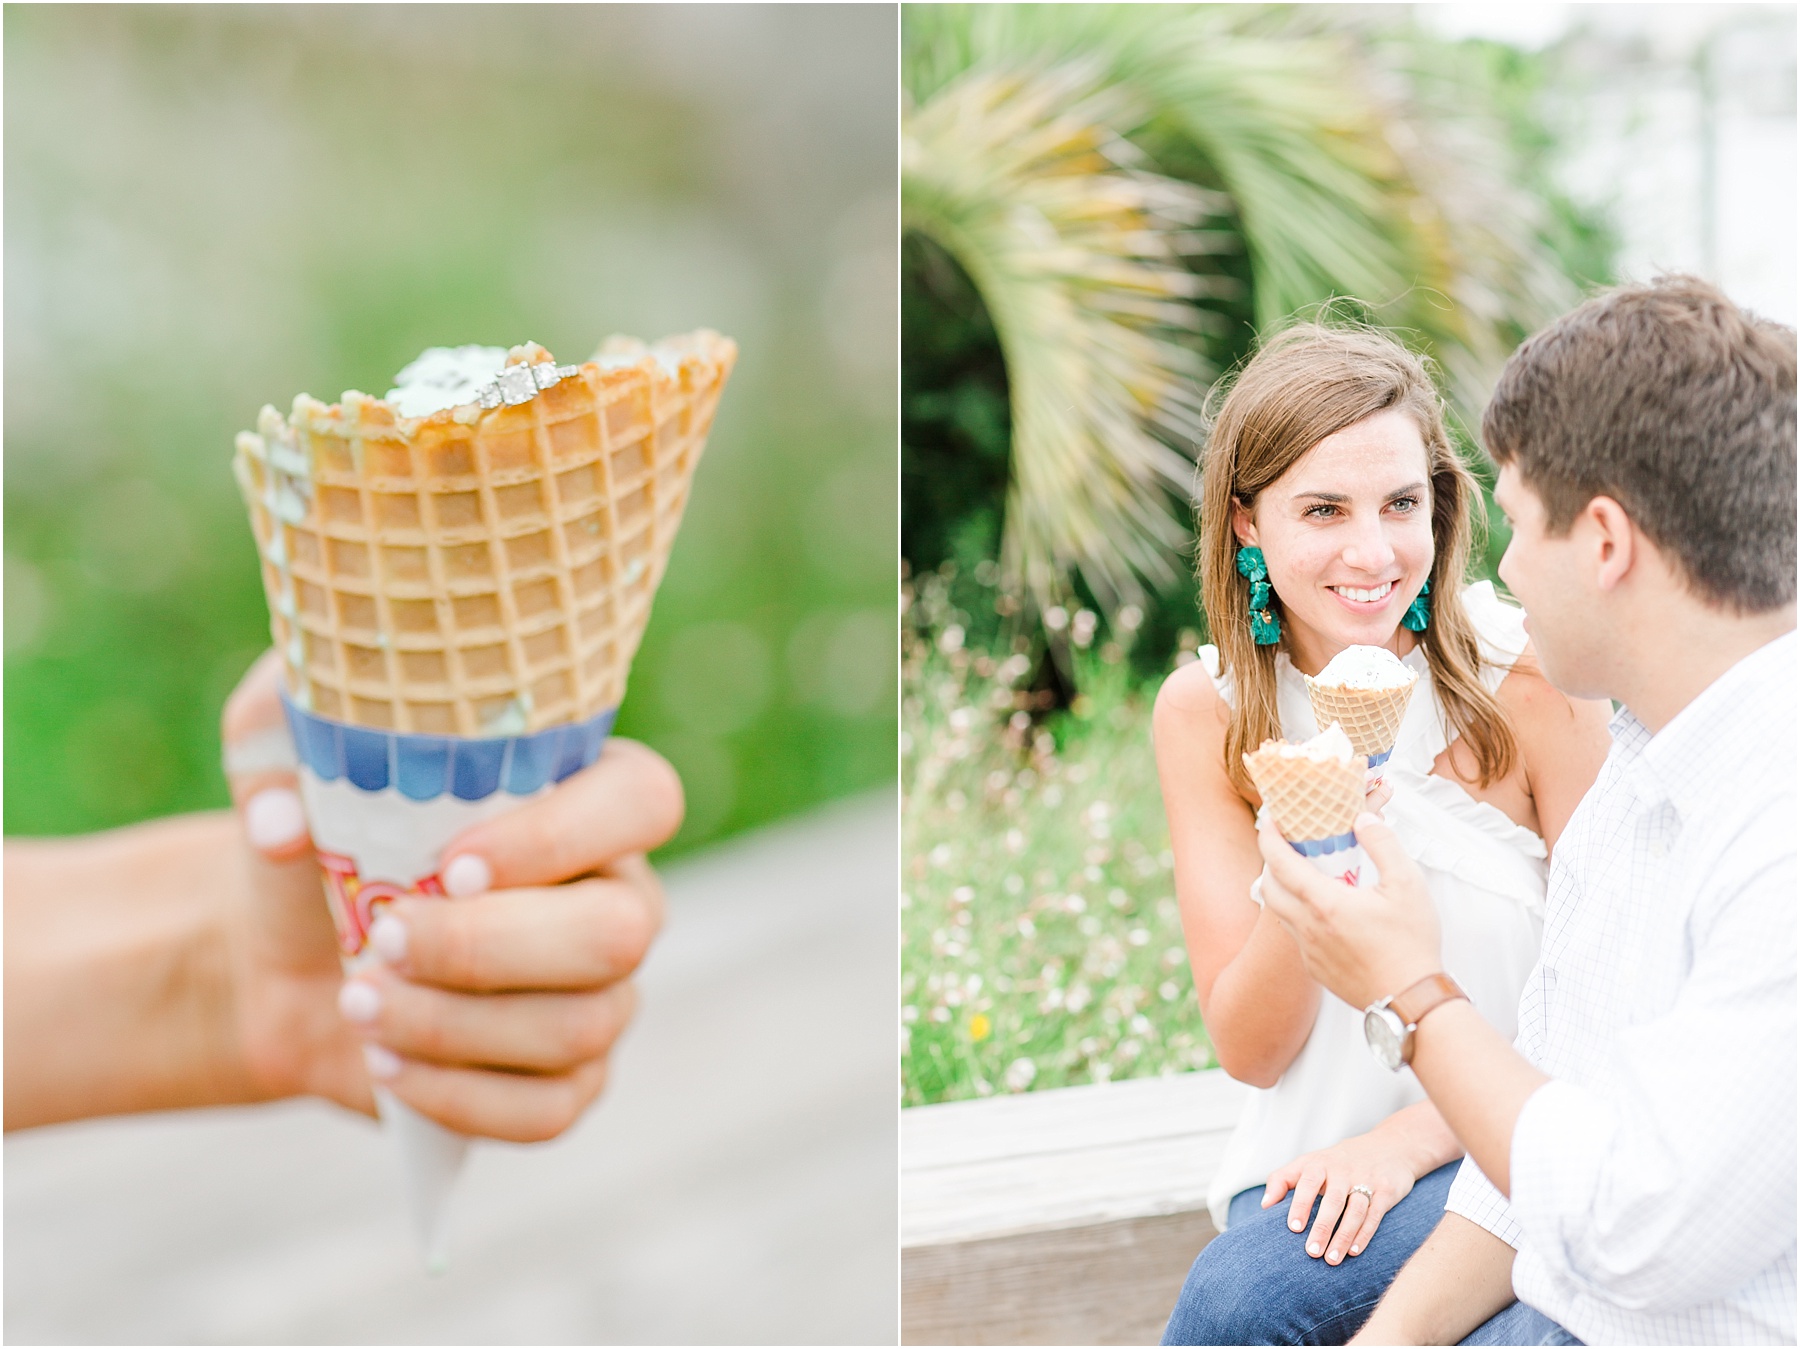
{"x": 1433, "y": 991}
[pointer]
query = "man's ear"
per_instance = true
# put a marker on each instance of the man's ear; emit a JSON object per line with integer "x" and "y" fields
{"x": 1242, "y": 526}
{"x": 1615, "y": 538}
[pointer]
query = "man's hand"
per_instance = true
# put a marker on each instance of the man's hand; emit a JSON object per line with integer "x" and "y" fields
{"x": 1369, "y": 944}
{"x": 493, "y": 1012}
{"x": 1362, "y": 944}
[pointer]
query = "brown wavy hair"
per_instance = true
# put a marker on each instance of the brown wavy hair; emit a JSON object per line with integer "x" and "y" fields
{"x": 1303, "y": 384}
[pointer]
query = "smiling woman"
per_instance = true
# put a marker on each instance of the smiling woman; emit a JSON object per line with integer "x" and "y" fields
{"x": 1344, "y": 432}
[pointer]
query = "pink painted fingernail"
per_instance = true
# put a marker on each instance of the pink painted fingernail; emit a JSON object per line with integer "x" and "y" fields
{"x": 273, "y": 818}
{"x": 359, "y": 1002}
{"x": 1313, "y": 1249}
{"x": 1296, "y": 1224}
{"x": 384, "y": 1064}
{"x": 388, "y": 937}
{"x": 468, "y": 875}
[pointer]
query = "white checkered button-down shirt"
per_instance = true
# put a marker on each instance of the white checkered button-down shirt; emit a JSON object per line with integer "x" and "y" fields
{"x": 1653, "y": 1177}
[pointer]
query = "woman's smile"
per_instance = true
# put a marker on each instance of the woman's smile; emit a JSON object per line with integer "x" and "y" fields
{"x": 1363, "y": 601}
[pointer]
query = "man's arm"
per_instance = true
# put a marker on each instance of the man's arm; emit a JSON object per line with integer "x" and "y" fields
{"x": 1617, "y": 1187}
{"x": 1478, "y": 1082}
{"x": 1460, "y": 1277}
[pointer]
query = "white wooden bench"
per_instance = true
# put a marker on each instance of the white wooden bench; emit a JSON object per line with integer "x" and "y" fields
{"x": 1058, "y": 1217}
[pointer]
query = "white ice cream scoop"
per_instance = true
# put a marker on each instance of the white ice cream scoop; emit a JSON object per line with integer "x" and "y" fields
{"x": 1330, "y": 745}
{"x": 1365, "y": 667}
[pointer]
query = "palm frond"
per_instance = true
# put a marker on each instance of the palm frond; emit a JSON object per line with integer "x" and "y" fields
{"x": 1077, "y": 254}
{"x": 1355, "y": 165}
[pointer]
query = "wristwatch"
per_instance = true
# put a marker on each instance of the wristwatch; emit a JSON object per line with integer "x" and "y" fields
{"x": 1388, "y": 1026}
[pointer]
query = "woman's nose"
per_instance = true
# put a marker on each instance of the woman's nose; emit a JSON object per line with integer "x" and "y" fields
{"x": 1369, "y": 550}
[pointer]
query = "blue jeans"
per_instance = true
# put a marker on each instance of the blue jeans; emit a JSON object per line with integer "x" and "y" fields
{"x": 1254, "y": 1283}
{"x": 1519, "y": 1324}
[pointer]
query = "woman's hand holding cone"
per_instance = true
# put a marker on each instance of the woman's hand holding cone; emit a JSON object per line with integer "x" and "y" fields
{"x": 493, "y": 1013}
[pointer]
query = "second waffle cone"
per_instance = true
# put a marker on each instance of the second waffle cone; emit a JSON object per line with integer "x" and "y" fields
{"x": 479, "y": 573}
{"x": 1307, "y": 798}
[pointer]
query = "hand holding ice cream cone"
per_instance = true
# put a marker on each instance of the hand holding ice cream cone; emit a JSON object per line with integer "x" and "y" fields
{"x": 458, "y": 576}
{"x": 1362, "y": 944}
{"x": 481, "y": 1063}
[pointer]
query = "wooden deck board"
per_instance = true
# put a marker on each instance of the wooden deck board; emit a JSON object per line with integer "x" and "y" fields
{"x": 1058, "y": 1217}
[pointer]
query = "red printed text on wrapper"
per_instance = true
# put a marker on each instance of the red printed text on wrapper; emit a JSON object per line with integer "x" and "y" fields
{"x": 353, "y": 899}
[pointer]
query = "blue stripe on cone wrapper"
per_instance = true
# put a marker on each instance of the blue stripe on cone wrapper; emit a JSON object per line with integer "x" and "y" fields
{"x": 1340, "y": 857}
{"x": 423, "y": 767}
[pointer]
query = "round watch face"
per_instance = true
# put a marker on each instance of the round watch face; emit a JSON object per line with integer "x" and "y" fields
{"x": 1385, "y": 1033}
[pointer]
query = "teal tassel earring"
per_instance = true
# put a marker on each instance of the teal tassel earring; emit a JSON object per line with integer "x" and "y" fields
{"x": 1265, "y": 628}
{"x": 1418, "y": 613}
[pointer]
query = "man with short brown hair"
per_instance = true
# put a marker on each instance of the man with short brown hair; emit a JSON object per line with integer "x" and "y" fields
{"x": 1631, "y": 1157}
{"x": 1666, "y": 398}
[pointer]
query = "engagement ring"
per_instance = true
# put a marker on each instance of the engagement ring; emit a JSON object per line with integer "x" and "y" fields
{"x": 1363, "y": 1190}
{"x": 521, "y": 383}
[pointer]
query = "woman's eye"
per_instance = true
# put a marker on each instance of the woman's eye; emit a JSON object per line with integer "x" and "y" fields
{"x": 1321, "y": 511}
{"x": 1405, "y": 504}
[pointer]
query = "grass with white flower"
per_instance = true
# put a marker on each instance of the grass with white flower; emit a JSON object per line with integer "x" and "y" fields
{"x": 1041, "y": 944}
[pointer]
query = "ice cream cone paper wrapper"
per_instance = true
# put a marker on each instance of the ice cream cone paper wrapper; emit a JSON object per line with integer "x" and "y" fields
{"x": 381, "y": 807}
{"x": 1377, "y": 769}
{"x": 1341, "y": 857}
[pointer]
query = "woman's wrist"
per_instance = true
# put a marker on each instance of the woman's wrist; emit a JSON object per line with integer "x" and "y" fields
{"x": 126, "y": 1002}
{"x": 1424, "y": 1140}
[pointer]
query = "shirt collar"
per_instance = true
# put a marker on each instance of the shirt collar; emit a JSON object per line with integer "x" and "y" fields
{"x": 1687, "y": 762}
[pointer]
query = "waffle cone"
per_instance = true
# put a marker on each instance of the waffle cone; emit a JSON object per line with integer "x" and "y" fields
{"x": 1370, "y": 717}
{"x": 471, "y": 572}
{"x": 479, "y": 571}
{"x": 1308, "y": 798}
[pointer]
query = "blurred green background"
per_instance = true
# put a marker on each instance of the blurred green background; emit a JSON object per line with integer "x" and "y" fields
{"x": 213, "y": 208}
